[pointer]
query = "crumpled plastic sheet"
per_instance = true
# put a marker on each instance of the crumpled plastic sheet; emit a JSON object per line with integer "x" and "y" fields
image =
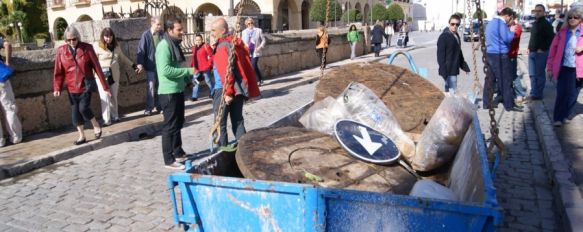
{"x": 443, "y": 134}
{"x": 323, "y": 115}
{"x": 365, "y": 107}
{"x": 431, "y": 189}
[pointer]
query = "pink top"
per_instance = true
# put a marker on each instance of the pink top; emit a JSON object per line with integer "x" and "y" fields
{"x": 555, "y": 59}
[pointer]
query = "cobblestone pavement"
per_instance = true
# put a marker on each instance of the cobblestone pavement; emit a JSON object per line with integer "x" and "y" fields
{"x": 123, "y": 187}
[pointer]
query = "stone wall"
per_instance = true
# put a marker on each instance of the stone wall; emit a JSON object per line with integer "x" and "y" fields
{"x": 40, "y": 111}
{"x": 32, "y": 82}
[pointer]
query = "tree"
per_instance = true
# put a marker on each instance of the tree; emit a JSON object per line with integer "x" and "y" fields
{"x": 30, "y": 13}
{"x": 354, "y": 16}
{"x": 484, "y": 15}
{"x": 379, "y": 12}
{"x": 318, "y": 10}
{"x": 395, "y": 12}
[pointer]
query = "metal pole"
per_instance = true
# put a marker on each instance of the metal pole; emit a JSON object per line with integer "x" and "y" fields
{"x": 370, "y": 9}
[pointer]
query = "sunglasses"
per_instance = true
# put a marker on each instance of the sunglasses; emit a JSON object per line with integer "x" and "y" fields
{"x": 454, "y": 24}
{"x": 71, "y": 40}
{"x": 574, "y": 17}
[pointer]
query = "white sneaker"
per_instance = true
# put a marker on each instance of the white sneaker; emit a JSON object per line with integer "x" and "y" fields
{"x": 16, "y": 140}
{"x": 557, "y": 124}
{"x": 175, "y": 166}
{"x": 566, "y": 121}
{"x": 181, "y": 159}
{"x": 2, "y": 142}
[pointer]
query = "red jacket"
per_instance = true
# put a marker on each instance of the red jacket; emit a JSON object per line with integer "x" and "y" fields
{"x": 243, "y": 64}
{"x": 74, "y": 74}
{"x": 203, "y": 56}
{"x": 515, "y": 43}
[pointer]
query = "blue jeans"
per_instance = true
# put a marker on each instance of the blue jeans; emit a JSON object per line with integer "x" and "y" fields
{"x": 254, "y": 61}
{"x": 451, "y": 83}
{"x": 537, "y": 61}
{"x": 516, "y": 83}
{"x": 501, "y": 77}
{"x": 152, "y": 91}
{"x": 208, "y": 79}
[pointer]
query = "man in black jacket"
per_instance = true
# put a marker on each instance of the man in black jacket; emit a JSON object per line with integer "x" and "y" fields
{"x": 541, "y": 36}
{"x": 449, "y": 54}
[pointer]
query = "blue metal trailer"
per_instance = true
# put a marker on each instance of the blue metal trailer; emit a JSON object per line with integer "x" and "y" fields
{"x": 209, "y": 197}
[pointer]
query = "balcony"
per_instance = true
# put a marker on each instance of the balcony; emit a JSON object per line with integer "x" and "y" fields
{"x": 81, "y": 2}
{"x": 55, "y": 4}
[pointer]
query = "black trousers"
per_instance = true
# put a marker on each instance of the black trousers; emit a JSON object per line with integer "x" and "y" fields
{"x": 173, "y": 107}
{"x": 501, "y": 72}
{"x": 234, "y": 111}
{"x": 80, "y": 107}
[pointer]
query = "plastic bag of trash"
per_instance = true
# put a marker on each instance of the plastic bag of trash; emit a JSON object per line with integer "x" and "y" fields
{"x": 431, "y": 189}
{"x": 466, "y": 171}
{"x": 365, "y": 107}
{"x": 323, "y": 115}
{"x": 443, "y": 134}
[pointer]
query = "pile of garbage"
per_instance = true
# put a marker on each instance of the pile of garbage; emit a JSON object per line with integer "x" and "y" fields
{"x": 424, "y": 148}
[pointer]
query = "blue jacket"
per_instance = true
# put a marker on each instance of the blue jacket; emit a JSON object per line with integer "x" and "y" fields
{"x": 498, "y": 36}
{"x": 147, "y": 51}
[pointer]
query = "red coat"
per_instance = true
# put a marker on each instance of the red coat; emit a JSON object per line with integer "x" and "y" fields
{"x": 243, "y": 64}
{"x": 203, "y": 56}
{"x": 73, "y": 74}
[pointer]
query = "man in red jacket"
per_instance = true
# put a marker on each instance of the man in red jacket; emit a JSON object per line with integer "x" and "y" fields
{"x": 202, "y": 61}
{"x": 238, "y": 87}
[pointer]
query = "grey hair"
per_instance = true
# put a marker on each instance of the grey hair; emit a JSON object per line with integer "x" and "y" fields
{"x": 73, "y": 31}
{"x": 576, "y": 11}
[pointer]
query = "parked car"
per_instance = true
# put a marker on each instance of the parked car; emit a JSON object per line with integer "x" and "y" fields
{"x": 475, "y": 34}
{"x": 526, "y": 22}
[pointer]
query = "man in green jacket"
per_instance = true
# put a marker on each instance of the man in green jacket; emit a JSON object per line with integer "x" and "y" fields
{"x": 172, "y": 80}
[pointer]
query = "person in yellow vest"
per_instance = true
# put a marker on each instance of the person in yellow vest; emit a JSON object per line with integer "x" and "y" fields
{"x": 322, "y": 42}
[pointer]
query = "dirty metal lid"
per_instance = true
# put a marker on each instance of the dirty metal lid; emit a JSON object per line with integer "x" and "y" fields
{"x": 365, "y": 143}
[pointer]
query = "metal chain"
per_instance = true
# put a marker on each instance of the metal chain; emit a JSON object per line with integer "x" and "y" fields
{"x": 495, "y": 140}
{"x": 325, "y": 49}
{"x": 476, "y": 86}
{"x": 215, "y": 133}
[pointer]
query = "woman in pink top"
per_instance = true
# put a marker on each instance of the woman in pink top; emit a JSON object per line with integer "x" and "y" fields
{"x": 565, "y": 64}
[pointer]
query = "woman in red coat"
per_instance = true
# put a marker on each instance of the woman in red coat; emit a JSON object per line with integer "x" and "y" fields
{"x": 75, "y": 63}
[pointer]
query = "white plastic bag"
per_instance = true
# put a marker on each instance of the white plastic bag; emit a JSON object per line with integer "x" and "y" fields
{"x": 431, "y": 189}
{"x": 365, "y": 107}
{"x": 323, "y": 115}
{"x": 443, "y": 134}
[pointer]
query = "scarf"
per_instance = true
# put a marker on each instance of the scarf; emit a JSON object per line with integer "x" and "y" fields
{"x": 176, "y": 52}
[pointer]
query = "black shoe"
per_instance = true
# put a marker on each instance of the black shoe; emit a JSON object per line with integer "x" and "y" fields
{"x": 193, "y": 99}
{"x": 98, "y": 134}
{"x": 79, "y": 142}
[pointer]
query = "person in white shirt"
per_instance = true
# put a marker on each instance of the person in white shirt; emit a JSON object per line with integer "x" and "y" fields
{"x": 389, "y": 31}
{"x": 8, "y": 102}
{"x": 255, "y": 41}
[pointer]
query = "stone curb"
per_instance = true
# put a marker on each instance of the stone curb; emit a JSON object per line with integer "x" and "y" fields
{"x": 132, "y": 134}
{"x": 566, "y": 194}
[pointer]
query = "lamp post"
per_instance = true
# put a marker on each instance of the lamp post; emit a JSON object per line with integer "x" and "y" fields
{"x": 18, "y": 26}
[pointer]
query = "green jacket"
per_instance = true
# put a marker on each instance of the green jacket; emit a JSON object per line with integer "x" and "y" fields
{"x": 353, "y": 36}
{"x": 171, "y": 77}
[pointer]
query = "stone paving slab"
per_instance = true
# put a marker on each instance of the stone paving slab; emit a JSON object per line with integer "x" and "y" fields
{"x": 563, "y": 149}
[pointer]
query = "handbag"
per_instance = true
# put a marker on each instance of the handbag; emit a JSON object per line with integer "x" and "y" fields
{"x": 5, "y": 72}
{"x": 108, "y": 76}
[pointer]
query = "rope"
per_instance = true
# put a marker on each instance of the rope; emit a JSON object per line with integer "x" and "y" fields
{"x": 215, "y": 132}
{"x": 476, "y": 85}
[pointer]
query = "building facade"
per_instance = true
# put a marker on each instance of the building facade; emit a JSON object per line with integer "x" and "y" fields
{"x": 285, "y": 14}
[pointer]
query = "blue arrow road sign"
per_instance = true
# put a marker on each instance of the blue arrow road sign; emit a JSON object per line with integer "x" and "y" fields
{"x": 365, "y": 143}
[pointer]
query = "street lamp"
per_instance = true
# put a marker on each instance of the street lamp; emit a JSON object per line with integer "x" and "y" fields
{"x": 18, "y": 26}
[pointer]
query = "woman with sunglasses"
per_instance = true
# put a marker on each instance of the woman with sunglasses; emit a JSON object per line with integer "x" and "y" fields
{"x": 75, "y": 63}
{"x": 565, "y": 64}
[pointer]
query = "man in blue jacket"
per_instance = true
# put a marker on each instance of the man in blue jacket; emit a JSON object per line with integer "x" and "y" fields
{"x": 146, "y": 61}
{"x": 498, "y": 38}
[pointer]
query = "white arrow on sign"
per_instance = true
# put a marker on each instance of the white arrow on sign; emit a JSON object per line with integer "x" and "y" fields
{"x": 370, "y": 146}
